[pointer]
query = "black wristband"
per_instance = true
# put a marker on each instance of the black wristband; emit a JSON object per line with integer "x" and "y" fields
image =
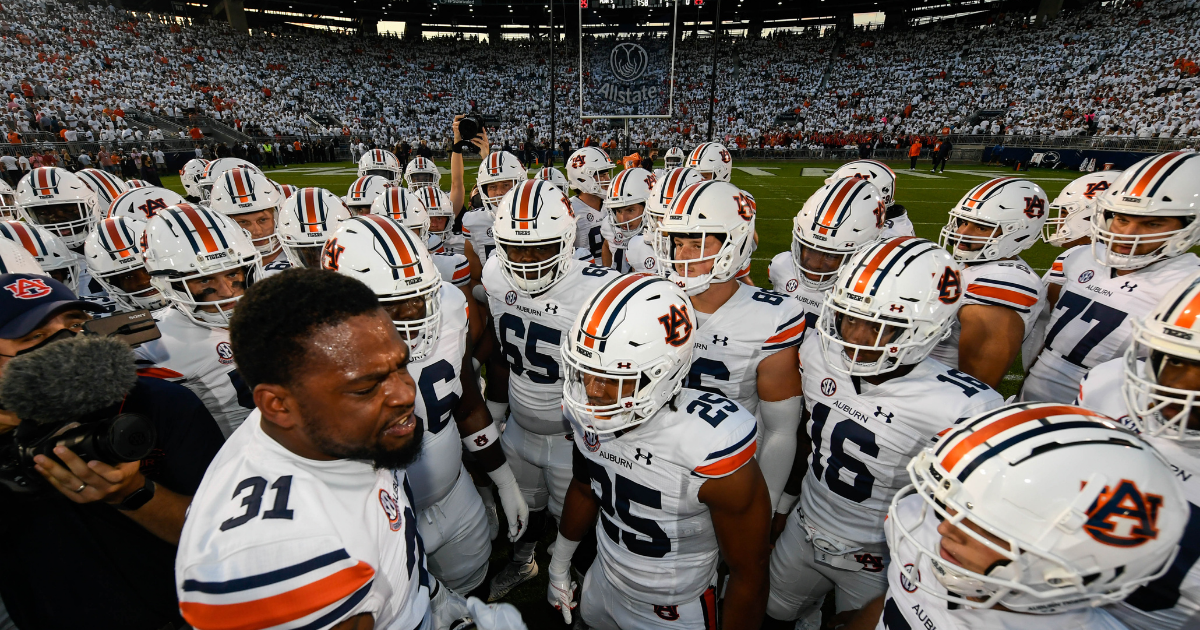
{"x": 456, "y": 147}
{"x": 138, "y": 498}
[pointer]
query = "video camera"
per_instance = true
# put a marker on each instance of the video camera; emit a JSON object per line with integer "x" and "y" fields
{"x": 70, "y": 392}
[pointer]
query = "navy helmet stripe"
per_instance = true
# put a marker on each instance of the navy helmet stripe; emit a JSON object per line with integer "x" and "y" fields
{"x": 1162, "y": 177}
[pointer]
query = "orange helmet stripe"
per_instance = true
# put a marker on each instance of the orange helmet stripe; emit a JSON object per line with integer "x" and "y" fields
{"x": 592, "y": 328}
{"x": 1153, "y": 170}
{"x": 961, "y": 449}
{"x": 880, "y": 256}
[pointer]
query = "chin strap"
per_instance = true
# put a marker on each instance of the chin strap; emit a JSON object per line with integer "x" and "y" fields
{"x": 780, "y": 421}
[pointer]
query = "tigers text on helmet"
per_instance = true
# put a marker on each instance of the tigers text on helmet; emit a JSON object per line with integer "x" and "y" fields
{"x": 57, "y": 200}
{"x": 380, "y": 163}
{"x": 1085, "y": 511}
{"x": 48, "y": 250}
{"x": 907, "y": 290}
{"x": 1070, "y": 214}
{"x": 1166, "y": 185}
{"x": 188, "y": 242}
{"x": 554, "y": 176}
{"x": 405, "y": 208}
{"x": 440, "y": 209}
{"x": 106, "y": 186}
{"x": 189, "y": 176}
{"x": 873, "y": 171}
{"x": 1170, "y": 332}
{"x": 674, "y": 158}
{"x": 244, "y": 191}
{"x": 585, "y": 170}
{"x": 534, "y": 215}
{"x": 497, "y": 167}
{"x": 306, "y": 221}
{"x": 713, "y": 208}
{"x": 628, "y": 352}
{"x": 114, "y": 257}
{"x": 142, "y": 203}
{"x": 1013, "y": 211}
{"x": 712, "y": 159}
{"x": 630, "y": 187}
{"x": 215, "y": 169}
{"x": 839, "y": 219}
{"x": 390, "y": 259}
{"x": 420, "y": 172}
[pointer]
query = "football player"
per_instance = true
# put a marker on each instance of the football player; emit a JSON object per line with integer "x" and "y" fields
{"x": 554, "y": 176}
{"x": 1011, "y": 521}
{"x": 745, "y": 337}
{"x": 215, "y": 169}
{"x": 625, "y": 203}
{"x": 380, "y": 163}
{"x": 873, "y": 401}
{"x": 431, "y": 317}
{"x": 1002, "y": 295}
{"x": 712, "y": 161}
{"x": 421, "y": 172}
{"x": 839, "y": 219}
{"x": 106, "y": 186}
{"x": 589, "y": 174}
{"x": 640, "y": 253}
{"x": 673, "y": 159}
{"x": 201, "y": 262}
{"x": 441, "y": 218}
{"x": 1154, "y": 390}
{"x": 306, "y": 222}
{"x": 669, "y": 472}
{"x": 251, "y": 200}
{"x": 47, "y": 249}
{"x": 336, "y": 544}
{"x": 1141, "y": 230}
{"x": 896, "y": 223}
{"x": 140, "y": 204}
{"x": 498, "y": 174}
{"x": 8, "y": 202}
{"x": 1067, "y": 222}
{"x": 363, "y": 192}
{"x": 189, "y": 178}
{"x": 114, "y": 256}
{"x": 534, "y": 288}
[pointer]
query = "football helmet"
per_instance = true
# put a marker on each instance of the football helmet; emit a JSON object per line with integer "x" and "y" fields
{"x": 380, "y": 163}
{"x": 674, "y": 158}
{"x": 618, "y": 337}
{"x": 712, "y": 159}
{"x": 1165, "y": 185}
{"x": 630, "y": 187}
{"x": 1170, "y": 330}
{"x": 114, "y": 257}
{"x": 106, "y": 186}
{"x": 584, "y": 168}
{"x": 1014, "y": 209}
{"x": 189, "y": 176}
{"x": 57, "y": 200}
{"x": 405, "y": 208}
{"x": 534, "y": 213}
{"x": 1071, "y": 211}
{"x": 188, "y": 242}
{"x": 142, "y": 203}
{"x": 915, "y": 300}
{"x": 287, "y": 190}
{"x": 873, "y": 171}
{"x": 497, "y": 167}
{"x": 363, "y": 192}
{"x": 554, "y": 176}
{"x": 243, "y": 191}
{"x": 663, "y": 191}
{"x": 306, "y": 221}
{"x": 1086, "y": 511}
{"x": 839, "y": 219}
{"x": 14, "y": 259}
{"x": 439, "y": 206}
{"x": 421, "y": 172}
{"x": 390, "y": 259}
{"x": 8, "y": 202}
{"x": 48, "y": 251}
{"x": 131, "y": 184}
{"x": 215, "y": 169}
{"x": 711, "y": 208}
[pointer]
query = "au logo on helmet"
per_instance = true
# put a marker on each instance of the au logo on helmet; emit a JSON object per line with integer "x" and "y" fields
{"x": 678, "y": 326}
{"x": 1035, "y": 207}
{"x": 950, "y": 286}
{"x": 1124, "y": 516}
{"x": 1094, "y": 188}
{"x": 331, "y": 253}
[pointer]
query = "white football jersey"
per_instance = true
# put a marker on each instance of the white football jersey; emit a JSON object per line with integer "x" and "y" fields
{"x": 530, "y": 331}
{"x": 1006, "y": 283}
{"x": 281, "y": 263}
{"x": 656, "y": 541}
{"x": 908, "y": 607}
{"x": 640, "y": 255}
{"x": 453, "y": 268}
{"x": 1090, "y": 323}
{"x": 439, "y": 388}
{"x": 617, "y": 245}
{"x": 863, "y": 436}
{"x": 587, "y": 226}
{"x": 93, "y": 292}
{"x": 729, "y": 344}
{"x": 897, "y": 226}
{"x": 1173, "y": 600}
{"x": 276, "y": 540}
{"x": 477, "y": 228}
{"x": 454, "y": 244}
{"x": 201, "y": 359}
{"x": 782, "y": 275}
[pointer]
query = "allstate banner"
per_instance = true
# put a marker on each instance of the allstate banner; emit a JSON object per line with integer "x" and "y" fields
{"x": 625, "y": 74}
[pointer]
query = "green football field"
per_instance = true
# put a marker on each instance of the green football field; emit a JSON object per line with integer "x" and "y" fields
{"x": 780, "y": 189}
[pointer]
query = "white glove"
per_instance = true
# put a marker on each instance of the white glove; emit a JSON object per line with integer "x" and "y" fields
{"x": 499, "y": 413}
{"x": 561, "y": 589}
{"x": 495, "y": 616}
{"x": 515, "y": 508}
{"x": 446, "y": 606}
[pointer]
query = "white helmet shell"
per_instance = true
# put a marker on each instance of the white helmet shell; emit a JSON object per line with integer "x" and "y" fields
{"x": 142, "y": 203}
{"x": 48, "y": 250}
{"x": 106, "y": 186}
{"x": 532, "y": 214}
{"x": 189, "y": 176}
{"x": 630, "y": 187}
{"x": 131, "y": 184}
{"x": 712, "y": 159}
{"x": 405, "y": 208}
{"x": 554, "y": 176}
{"x": 839, "y": 219}
{"x": 498, "y": 166}
{"x": 114, "y": 257}
{"x": 1013, "y": 209}
{"x": 674, "y": 158}
{"x": 420, "y": 172}
{"x": 14, "y": 259}
{"x": 306, "y": 221}
{"x": 380, "y": 163}
{"x": 1166, "y": 185}
{"x": 244, "y": 191}
{"x": 1070, "y": 214}
{"x": 215, "y": 169}
{"x": 584, "y": 168}
{"x": 873, "y": 171}
{"x": 438, "y": 205}
{"x": 8, "y": 202}
{"x": 57, "y": 200}
{"x": 710, "y": 208}
{"x": 363, "y": 192}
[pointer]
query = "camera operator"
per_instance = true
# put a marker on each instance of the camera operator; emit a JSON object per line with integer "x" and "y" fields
{"x": 458, "y": 195}
{"x": 104, "y": 532}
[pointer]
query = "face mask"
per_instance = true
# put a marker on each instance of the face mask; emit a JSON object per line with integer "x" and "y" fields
{"x": 64, "y": 333}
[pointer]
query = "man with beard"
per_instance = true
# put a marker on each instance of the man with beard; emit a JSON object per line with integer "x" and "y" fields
{"x": 307, "y": 519}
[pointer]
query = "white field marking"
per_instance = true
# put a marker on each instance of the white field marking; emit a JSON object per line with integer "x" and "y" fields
{"x": 922, "y": 175}
{"x": 816, "y": 172}
{"x": 757, "y": 172}
{"x": 993, "y": 174}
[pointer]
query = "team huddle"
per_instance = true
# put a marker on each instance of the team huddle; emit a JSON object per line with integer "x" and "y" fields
{"x": 602, "y": 364}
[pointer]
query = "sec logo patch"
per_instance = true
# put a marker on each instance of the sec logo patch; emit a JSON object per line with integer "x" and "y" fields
{"x": 791, "y": 285}
{"x": 1086, "y": 276}
{"x": 829, "y": 387}
{"x": 391, "y": 509}
{"x": 649, "y": 262}
{"x": 905, "y": 583}
{"x": 224, "y": 353}
{"x": 591, "y": 440}
{"x": 510, "y": 298}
